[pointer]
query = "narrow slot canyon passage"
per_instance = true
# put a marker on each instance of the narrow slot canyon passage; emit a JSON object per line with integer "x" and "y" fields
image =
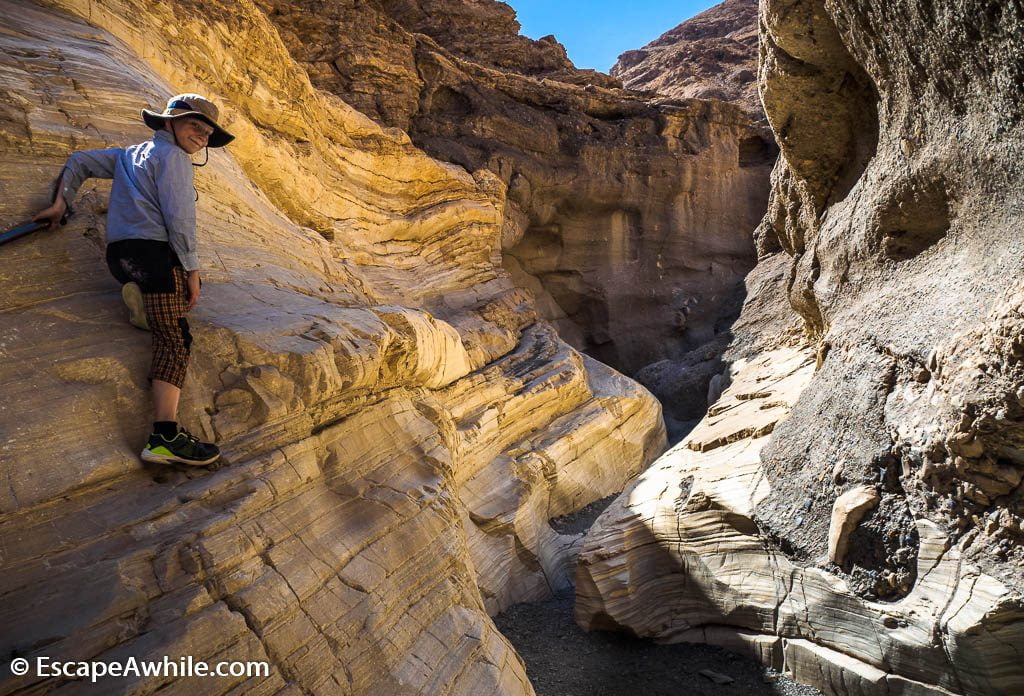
{"x": 564, "y": 660}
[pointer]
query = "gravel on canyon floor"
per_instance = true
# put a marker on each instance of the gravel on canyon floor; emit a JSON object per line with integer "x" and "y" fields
{"x": 563, "y": 660}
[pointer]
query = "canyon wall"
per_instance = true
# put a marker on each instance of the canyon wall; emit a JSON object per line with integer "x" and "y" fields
{"x": 851, "y": 508}
{"x": 710, "y": 56}
{"x": 628, "y": 219}
{"x": 398, "y": 426}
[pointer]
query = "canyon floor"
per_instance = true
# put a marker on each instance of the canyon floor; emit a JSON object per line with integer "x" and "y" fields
{"x": 564, "y": 660}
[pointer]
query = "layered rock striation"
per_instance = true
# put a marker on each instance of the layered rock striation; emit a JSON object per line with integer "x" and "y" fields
{"x": 861, "y": 528}
{"x": 398, "y": 426}
{"x": 628, "y": 220}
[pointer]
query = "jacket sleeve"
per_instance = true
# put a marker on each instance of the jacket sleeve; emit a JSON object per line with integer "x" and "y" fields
{"x": 87, "y": 164}
{"x": 174, "y": 179}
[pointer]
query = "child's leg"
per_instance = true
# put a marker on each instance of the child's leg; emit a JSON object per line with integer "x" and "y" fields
{"x": 130, "y": 262}
{"x": 164, "y": 298}
{"x": 165, "y": 401}
{"x": 172, "y": 343}
{"x": 172, "y": 340}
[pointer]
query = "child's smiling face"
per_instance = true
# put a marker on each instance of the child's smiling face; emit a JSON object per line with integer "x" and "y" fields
{"x": 192, "y": 134}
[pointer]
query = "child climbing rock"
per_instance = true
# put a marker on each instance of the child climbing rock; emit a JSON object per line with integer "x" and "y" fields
{"x": 151, "y": 249}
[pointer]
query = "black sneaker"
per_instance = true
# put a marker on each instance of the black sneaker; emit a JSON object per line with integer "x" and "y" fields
{"x": 183, "y": 448}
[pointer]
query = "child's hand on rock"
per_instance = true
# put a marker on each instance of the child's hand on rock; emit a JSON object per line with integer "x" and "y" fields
{"x": 54, "y": 213}
{"x": 193, "y": 289}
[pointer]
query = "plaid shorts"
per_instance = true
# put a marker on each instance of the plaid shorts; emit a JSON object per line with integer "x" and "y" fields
{"x": 154, "y": 266}
{"x": 172, "y": 340}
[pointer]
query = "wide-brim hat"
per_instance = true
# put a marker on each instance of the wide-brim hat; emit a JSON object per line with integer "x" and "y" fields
{"x": 194, "y": 105}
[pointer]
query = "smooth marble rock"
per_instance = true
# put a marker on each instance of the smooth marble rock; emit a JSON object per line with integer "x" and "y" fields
{"x": 397, "y": 423}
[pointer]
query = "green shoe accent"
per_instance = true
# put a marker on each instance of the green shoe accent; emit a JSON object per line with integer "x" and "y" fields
{"x": 131, "y": 293}
{"x": 184, "y": 448}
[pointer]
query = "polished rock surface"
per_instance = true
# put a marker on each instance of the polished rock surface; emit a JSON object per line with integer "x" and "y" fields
{"x": 397, "y": 424}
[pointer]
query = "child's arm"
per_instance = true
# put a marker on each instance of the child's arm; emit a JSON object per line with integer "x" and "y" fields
{"x": 174, "y": 180}
{"x": 57, "y": 209}
{"x": 79, "y": 167}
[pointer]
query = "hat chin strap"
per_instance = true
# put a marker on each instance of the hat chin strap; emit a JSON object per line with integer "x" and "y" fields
{"x": 174, "y": 131}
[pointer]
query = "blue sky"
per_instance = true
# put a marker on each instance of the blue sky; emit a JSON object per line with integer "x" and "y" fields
{"x": 595, "y": 32}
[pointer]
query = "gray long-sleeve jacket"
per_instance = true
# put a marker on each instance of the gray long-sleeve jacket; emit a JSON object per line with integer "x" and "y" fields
{"x": 152, "y": 194}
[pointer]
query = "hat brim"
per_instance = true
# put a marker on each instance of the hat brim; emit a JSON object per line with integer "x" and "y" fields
{"x": 219, "y": 137}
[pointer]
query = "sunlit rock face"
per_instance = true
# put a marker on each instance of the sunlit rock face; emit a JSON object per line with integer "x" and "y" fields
{"x": 397, "y": 424}
{"x": 710, "y": 56}
{"x": 897, "y": 199}
{"x": 630, "y": 222}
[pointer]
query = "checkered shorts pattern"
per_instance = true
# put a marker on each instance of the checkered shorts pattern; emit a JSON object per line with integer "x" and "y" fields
{"x": 172, "y": 341}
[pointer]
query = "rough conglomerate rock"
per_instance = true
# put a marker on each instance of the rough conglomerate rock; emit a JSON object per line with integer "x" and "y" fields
{"x": 629, "y": 221}
{"x": 898, "y": 198}
{"x": 398, "y": 426}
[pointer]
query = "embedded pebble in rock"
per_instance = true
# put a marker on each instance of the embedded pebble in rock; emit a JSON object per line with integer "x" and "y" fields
{"x": 847, "y": 512}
